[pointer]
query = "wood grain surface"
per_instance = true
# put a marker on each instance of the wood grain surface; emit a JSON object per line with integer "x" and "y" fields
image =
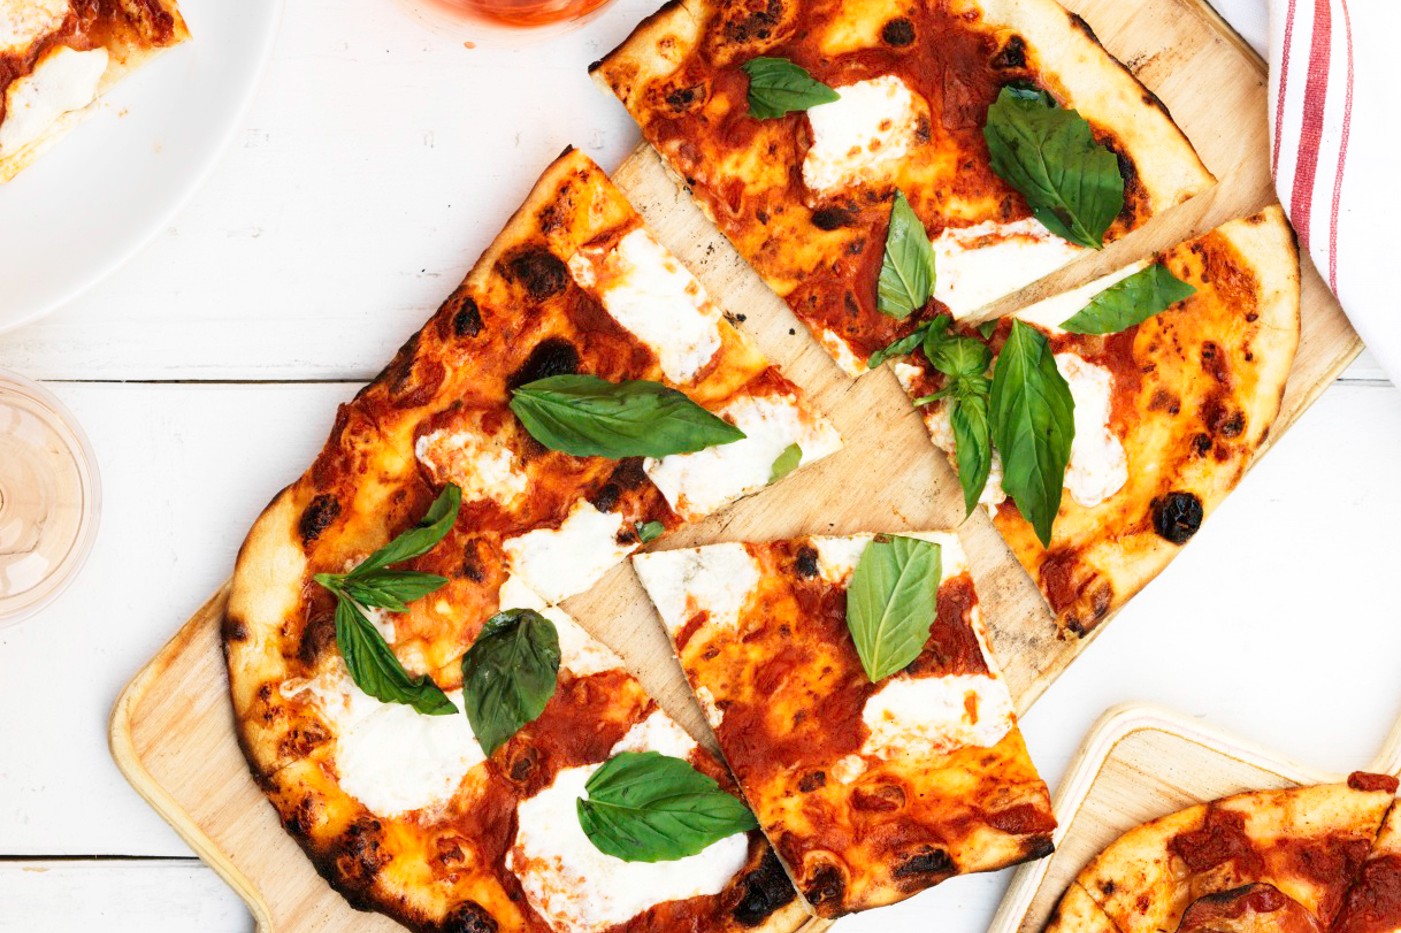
{"x": 172, "y": 733}
{"x": 1141, "y": 762}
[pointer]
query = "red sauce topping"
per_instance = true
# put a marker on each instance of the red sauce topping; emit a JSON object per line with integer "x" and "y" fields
{"x": 1220, "y": 839}
{"x": 1367, "y": 781}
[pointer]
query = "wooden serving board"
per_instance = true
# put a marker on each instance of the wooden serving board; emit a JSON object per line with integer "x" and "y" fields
{"x": 172, "y": 731}
{"x": 1138, "y": 763}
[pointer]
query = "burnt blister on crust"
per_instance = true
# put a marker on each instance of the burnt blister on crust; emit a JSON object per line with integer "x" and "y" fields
{"x": 540, "y": 271}
{"x": 1012, "y": 55}
{"x": 466, "y": 316}
{"x": 927, "y": 862}
{"x": 766, "y": 889}
{"x": 826, "y": 889}
{"x": 833, "y": 217}
{"x": 806, "y": 562}
{"x": 553, "y": 356}
{"x": 469, "y": 917}
{"x": 1177, "y": 516}
{"x": 318, "y": 516}
{"x": 898, "y": 32}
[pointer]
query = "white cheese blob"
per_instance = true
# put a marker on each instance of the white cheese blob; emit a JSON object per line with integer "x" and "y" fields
{"x": 24, "y": 22}
{"x": 861, "y": 136}
{"x": 390, "y": 757}
{"x": 848, "y": 768}
{"x": 482, "y": 467}
{"x": 64, "y": 80}
{"x": 841, "y": 353}
{"x": 647, "y": 290}
{"x": 915, "y": 717}
{"x": 716, "y": 580}
{"x": 713, "y": 713}
{"x": 1098, "y": 465}
{"x": 697, "y": 484}
{"x": 837, "y": 557}
{"x": 559, "y": 562}
{"x": 979, "y": 264}
{"x": 579, "y": 652}
{"x": 566, "y": 878}
{"x": 657, "y": 733}
{"x": 1050, "y": 313}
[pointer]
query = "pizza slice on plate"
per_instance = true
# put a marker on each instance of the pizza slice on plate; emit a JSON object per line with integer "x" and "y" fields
{"x": 1374, "y": 903}
{"x": 850, "y": 685}
{"x": 1169, "y": 373}
{"x": 1265, "y": 860}
{"x": 815, "y": 132}
{"x": 58, "y": 56}
{"x": 579, "y": 395}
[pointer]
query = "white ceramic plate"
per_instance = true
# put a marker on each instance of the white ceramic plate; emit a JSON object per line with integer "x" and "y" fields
{"x": 94, "y": 199}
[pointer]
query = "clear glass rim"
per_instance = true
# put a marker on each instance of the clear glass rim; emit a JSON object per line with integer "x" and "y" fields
{"x": 69, "y": 428}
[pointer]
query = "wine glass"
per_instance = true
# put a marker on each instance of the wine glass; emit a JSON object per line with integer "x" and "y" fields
{"x": 50, "y": 498}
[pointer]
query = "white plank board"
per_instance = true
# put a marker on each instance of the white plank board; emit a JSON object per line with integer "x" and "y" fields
{"x": 1297, "y": 588}
{"x": 170, "y": 896}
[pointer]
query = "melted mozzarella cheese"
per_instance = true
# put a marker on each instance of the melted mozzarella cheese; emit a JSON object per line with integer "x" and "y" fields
{"x": 848, "y": 768}
{"x": 1050, "y": 313}
{"x": 716, "y": 580}
{"x": 64, "y": 80}
{"x": 979, "y": 264}
{"x": 861, "y": 136}
{"x": 24, "y": 22}
{"x": 713, "y": 713}
{"x": 579, "y": 652}
{"x": 657, "y": 733}
{"x": 482, "y": 467}
{"x": 559, "y": 562}
{"x": 582, "y": 890}
{"x": 390, "y": 757}
{"x": 841, "y": 352}
{"x": 697, "y": 484}
{"x": 1098, "y": 465}
{"x": 646, "y": 290}
{"x": 915, "y": 717}
{"x": 837, "y": 557}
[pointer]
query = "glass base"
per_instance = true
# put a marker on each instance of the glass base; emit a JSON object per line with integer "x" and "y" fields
{"x": 50, "y": 498}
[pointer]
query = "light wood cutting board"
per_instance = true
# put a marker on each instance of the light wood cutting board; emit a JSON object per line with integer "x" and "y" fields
{"x": 172, "y": 731}
{"x": 1138, "y": 763}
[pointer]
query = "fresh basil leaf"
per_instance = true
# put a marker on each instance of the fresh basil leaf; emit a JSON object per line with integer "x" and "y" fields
{"x": 906, "y": 344}
{"x": 509, "y": 675}
{"x": 420, "y": 539}
{"x": 1033, "y": 424}
{"x": 648, "y": 532}
{"x": 649, "y": 807}
{"x": 972, "y": 439}
{"x": 390, "y": 589}
{"x": 987, "y": 329}
{"x": 786, "y": 462}
{"x": 376, "y": 670}
{"x": 1071, "y": 183}
{"x": 777, "y": 86}
{"x": 959, "y": 357}
{"x": 1130, "y": 301}
{"x": 891, "y": 602}
{"x": 907, "y": 269}
{"x": 590, "y": 417}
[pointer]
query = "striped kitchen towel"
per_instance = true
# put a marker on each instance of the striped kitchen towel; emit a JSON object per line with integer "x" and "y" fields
{"x": 1335, "y": 110}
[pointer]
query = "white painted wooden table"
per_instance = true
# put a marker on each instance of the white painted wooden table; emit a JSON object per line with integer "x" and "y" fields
{"x": 376, "y": 163}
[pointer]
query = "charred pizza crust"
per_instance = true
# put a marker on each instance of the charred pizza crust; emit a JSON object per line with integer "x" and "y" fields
{"x": 679, "y": 75}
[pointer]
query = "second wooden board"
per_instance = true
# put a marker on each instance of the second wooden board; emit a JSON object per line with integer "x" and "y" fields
{"x": 172, "y": 731}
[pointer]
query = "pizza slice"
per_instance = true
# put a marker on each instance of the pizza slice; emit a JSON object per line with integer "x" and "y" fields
{"x": 58, "y": 56}
{"x": 1281, "y": 858}
{"x": 1009, "y": 134}
{"x": 876, "y": 743}
{"x": 1172, "y": 397}
{"x": 1374, "y": 903}
{"x": 578, "y": 396}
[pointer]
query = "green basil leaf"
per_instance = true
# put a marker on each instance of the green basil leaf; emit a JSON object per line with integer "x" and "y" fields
{"x": 376, "y": 670}
{"x": 590, "y": 417}
{"x": 648, "y": 532}
{"x": 509, "y": 675}
{"x": 777, "y": 86}
{"x": 786, "y": 462}
{"x": 891, "y": 602}
{"x": 1033, "y": 424}
{"x": 1130, "y": 301}
{"x": 987, "y": 329}
{"x": 907, "y": 269}
{"x": 649, "y": 807}
{"x": 1071, "y": 183}
{"x": 906, "y": 344}
{"x": 390, "y": 589}
{"x": 972, "y": 439}
{"x": 420, "y": 539}
{"x": 957, "y": 357}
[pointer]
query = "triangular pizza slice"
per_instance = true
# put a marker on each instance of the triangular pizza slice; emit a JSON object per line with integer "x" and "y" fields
{"x": 871, "y": 790}
{"x": 1016, "y": 139}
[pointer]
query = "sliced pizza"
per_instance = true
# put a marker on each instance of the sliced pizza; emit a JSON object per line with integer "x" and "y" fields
{"x": 803, "y": 126}
{"x": 1175, "y": 369}
{"x": 58, "y": 56}
{"x": 1374, "y": 903}
{"x": 1278, "y": 859}
{"x": 851, "y": 688}
{"x": 577, "y": 396}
